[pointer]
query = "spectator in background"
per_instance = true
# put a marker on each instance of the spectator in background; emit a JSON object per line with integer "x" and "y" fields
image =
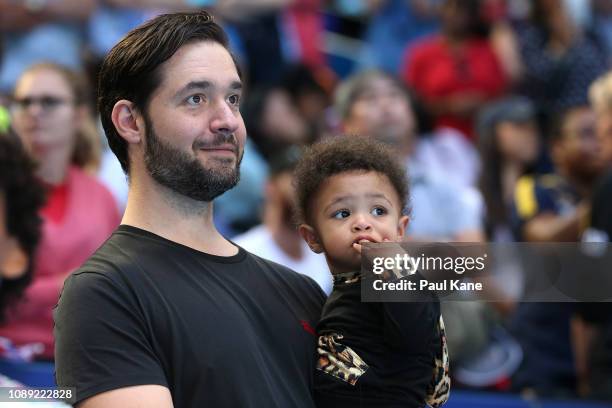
{"x": 35, "y": 31}
{"x": 277, "y": 238}
{"x": 560, "y": 62}
{"x": 456, "y": 72}
{"x": 275, "y": 122}
{"x": 49, "y": 109}
{"x": 509, "y": 145}
{"x": 310, "y": 98}
{"x": 272, "y": 34}
{"x": 551, "y": 208}
{"x": 554, "y": 208}
{"x": 602, "y": 26}
{"x": 21, "y": 197}
{"x": 394, "y": 26}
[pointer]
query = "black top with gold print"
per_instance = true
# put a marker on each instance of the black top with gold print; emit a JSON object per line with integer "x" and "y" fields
{"x": 379, "y": 354}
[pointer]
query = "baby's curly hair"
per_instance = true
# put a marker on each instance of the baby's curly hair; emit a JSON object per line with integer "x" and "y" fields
{"x": 345, "y": 154}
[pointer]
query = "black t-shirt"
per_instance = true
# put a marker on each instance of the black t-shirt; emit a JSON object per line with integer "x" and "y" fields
{"x": 217, "y": 331}
{"x": 398, "y": 342}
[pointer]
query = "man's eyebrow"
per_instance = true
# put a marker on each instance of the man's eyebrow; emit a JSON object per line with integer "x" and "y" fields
{"x": 194, "y": 85}
{"x": 235, "y": 86}
{"x": 203, "y": 85}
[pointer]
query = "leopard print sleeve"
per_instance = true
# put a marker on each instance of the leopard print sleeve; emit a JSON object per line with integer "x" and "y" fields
{"x": 439, "y": 388}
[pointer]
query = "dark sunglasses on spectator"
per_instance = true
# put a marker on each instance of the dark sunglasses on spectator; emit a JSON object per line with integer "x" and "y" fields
{"x": 47, "y": 102}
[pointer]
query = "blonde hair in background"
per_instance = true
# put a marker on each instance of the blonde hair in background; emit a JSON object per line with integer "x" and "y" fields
{"x": 600, "y": 93}
{"x": 87, "y": 151}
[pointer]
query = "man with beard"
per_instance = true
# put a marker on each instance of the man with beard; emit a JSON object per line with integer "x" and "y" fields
{"x": 168, "y": 312}
{"x": 555, "y": 208}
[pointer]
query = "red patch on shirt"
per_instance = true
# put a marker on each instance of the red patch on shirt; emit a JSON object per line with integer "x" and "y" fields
{"x": 308, "y": 327}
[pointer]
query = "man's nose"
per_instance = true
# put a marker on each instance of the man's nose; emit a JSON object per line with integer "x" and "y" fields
{"x": 225, "y": 119}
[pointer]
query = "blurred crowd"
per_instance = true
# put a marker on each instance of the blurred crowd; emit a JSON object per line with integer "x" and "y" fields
{"x": 501, "y": 111}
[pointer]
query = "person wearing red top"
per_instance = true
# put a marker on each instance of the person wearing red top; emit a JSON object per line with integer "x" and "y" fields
{"x": 49, "y": 111}
{"x": 456, "y": 72}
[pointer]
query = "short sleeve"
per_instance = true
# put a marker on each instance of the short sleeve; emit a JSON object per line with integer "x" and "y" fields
{"x": 101, "y": 339}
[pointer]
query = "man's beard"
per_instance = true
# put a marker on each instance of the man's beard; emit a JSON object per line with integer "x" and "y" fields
{"x": 184, "y": 174}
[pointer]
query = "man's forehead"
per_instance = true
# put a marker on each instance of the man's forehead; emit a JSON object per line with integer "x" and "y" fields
{"x": 203, "y": 61}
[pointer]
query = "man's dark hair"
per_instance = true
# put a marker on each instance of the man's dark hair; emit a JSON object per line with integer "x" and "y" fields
{"x": 340, "y": 155}
{"x": 131, "y": 70}
{"x": 23, "y": 196}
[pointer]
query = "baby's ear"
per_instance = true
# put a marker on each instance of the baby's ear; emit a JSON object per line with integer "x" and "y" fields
{"x": 311, "y": 237}
{"x": 401, "y": 226}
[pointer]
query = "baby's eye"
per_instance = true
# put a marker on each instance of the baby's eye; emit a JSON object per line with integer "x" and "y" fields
{"x": 340, "y": 214}
{"x": 195, "y": 100}
{"x": 378, "y": 211}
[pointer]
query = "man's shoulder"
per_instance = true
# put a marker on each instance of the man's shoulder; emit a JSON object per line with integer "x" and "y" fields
{"x": 120, "y": 255}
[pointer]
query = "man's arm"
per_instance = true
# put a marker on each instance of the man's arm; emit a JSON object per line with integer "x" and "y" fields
{"x": 141, "y": 396}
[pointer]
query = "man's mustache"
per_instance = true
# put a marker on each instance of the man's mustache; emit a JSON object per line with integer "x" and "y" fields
{"x": 219, "y": 140}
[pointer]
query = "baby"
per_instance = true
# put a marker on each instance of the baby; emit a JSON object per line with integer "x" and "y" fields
{"x": 350, "y": 191}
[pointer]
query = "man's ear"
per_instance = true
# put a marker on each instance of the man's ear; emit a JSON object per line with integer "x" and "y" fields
{"x": 125, "y": 117}
{"x": 311, "y": 237}
{"x": 401, "y": 225}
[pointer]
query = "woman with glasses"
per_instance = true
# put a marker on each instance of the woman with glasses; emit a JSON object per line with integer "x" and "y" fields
{"x": 50, "y": 114}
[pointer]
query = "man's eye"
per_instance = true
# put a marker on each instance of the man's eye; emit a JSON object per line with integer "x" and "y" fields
{"x": 234, "y": 100}
{"x": 340, "y": 214}
{"x": 195, "y": 100}
{"x": 378, "y": 211}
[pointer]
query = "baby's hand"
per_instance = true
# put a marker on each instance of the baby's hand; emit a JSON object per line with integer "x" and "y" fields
{"x": 357, "y": 246}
